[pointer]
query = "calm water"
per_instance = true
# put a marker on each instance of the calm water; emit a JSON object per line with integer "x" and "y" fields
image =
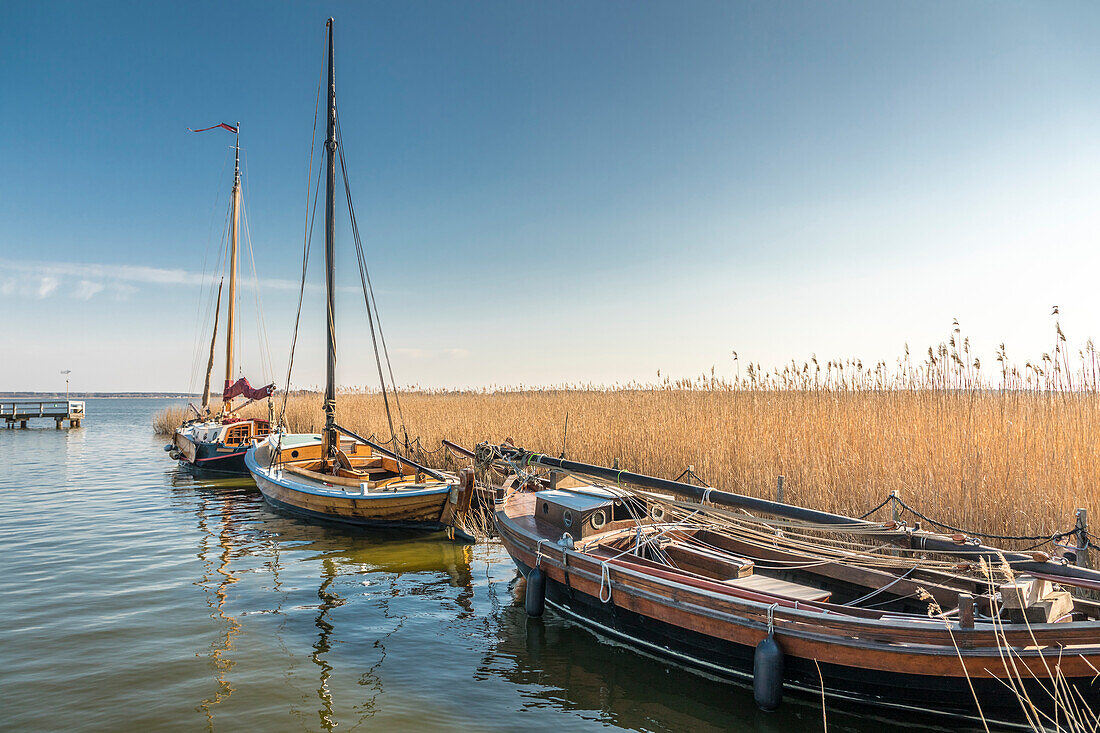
{"x": 136, "y": 596}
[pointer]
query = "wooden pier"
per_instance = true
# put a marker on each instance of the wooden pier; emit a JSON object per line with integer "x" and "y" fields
{"x": 20, "y": 411}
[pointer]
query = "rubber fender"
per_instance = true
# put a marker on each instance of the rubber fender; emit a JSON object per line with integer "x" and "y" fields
{"x": 767, "y": 674}
{"x": 535, "y": 600}
{"x": 168, "y": 447}
{"x": 175, "y": 455}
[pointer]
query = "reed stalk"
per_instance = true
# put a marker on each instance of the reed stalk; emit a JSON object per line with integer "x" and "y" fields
{"x": 1009, "y": 452}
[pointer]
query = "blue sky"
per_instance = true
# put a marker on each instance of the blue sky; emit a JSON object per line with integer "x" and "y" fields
{"x": 552, "y": 192}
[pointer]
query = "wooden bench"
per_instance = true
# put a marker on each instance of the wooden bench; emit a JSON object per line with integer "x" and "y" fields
{"x": 777, "y": 587}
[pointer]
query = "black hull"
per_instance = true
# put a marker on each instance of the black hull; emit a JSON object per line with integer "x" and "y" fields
{"x": 219, "y": 458}
{"x": 930, "y": 697}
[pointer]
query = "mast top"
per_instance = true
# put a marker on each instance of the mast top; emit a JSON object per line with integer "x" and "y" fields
{"x": 237, "y": 157}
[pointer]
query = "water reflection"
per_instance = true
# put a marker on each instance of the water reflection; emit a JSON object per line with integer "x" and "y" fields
{"x": 329, "y": 600}
{"x": 369, "y": 629}
{"x": 215, "y": 553}
{"x": 558, "y": 663}
{"x": 239, "y": 534}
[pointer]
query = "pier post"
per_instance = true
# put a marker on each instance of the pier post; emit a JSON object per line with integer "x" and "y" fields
{"x": 57, "y": 423}
{"x": 779, "y": 490}
{"x": 894, "y": 508}
{"x": 23, "y": 424}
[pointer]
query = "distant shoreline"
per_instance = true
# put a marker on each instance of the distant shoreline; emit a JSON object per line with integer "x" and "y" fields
{"x": 96, "y": 395}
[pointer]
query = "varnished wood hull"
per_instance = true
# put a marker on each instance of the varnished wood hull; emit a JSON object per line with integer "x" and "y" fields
{"x": 854, "y": 660}
{"x": 421, "y": 509}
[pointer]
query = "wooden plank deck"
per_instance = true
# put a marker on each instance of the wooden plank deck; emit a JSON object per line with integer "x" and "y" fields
{"x": 20, "y": 411}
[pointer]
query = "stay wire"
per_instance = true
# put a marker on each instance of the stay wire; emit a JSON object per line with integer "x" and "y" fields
{"x": 200, "y": 325}
{"x": 208, "y": 298}
{"x": 368, "y": 297}
{"x": 307, "y": 239}
{"x": 267, "y": 365}
{"x": 374, "y": 302}
{"x": 262, "y": 342}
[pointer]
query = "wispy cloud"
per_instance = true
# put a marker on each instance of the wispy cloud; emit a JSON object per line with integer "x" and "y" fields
{"x": 85, "y": 280}
{"x": 87, "y": 289}
{"x": 46, "y": 286}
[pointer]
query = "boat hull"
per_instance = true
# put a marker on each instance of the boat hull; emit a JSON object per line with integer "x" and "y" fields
{"x": 212, "y": 456}
{"x": 718, "y": 636}
{"x": 932, "y": 696}
{"x": 417, "y": 509}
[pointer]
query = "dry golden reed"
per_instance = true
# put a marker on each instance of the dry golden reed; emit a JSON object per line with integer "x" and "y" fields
{"x": 1015, "y": 453}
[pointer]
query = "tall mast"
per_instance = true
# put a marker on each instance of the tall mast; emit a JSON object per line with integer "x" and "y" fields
{"x": 330, "y": 441}
{"x": 234, "y": 227}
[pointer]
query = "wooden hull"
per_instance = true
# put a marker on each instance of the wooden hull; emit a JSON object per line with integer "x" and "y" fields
{"x": 414, "y": 509}
{"x": 913, "y": 667}
{"x": 203, "y": 450}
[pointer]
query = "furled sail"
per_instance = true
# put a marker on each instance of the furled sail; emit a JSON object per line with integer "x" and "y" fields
{"x": 242, "y": 387}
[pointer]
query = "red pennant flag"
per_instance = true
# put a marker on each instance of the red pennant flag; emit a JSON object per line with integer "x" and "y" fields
{"x": 223, "y": 126}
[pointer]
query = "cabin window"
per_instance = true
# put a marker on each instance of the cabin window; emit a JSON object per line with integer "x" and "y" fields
{"x": 237, "y": 434}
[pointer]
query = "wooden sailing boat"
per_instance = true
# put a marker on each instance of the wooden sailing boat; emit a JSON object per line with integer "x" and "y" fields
{"x": 337, "y": 475}
{"x": 790, "y": 598}
{"x": 217, "y": 442}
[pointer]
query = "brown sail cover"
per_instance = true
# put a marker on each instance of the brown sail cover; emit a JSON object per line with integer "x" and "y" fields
{"x": 242, "y": 387}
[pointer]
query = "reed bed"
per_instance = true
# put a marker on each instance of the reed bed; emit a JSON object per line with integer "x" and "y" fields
{"x": 1012, "y": 453}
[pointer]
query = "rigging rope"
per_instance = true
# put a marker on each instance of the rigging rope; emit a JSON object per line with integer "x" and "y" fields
{"x": 880, "y": 506}
{"x": 381, "y": 333}
{"x": 208, "y": 298}
{"x": 1019, "y": 538}
{"x": 267, "y": 368}
{"x": 368, "y": 298}
{"x": 307, "y": 239}
{"x": 200, "y": 325}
